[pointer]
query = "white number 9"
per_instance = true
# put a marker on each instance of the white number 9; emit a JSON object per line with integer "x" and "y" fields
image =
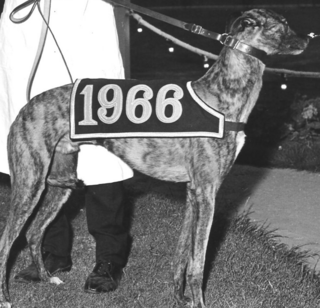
{"x": 116, "y": 103}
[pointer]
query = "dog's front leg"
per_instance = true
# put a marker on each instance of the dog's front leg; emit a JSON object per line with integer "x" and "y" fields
{"x": 183, "y": 252}
{"x": 203, "y": 211}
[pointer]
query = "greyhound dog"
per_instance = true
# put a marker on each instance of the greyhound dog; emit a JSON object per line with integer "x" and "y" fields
{"x": 43, "y": 158}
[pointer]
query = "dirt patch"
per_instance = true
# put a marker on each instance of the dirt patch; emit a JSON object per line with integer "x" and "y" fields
{"x": 285, "y": 199}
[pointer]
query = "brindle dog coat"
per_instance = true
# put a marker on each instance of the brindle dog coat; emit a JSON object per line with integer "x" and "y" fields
{"x": 43, "y": 158}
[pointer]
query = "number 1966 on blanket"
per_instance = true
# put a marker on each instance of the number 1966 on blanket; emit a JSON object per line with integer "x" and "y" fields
{"x": 104, "y": 108}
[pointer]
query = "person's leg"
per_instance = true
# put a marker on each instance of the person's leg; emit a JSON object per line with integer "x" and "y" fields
{"x": 105, "y": 206}
{"x": 56, "y": 250}
{"x": 57, "y": 239}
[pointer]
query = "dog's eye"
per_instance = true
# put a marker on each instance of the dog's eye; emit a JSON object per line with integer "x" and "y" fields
{"x": 249, "y": 23}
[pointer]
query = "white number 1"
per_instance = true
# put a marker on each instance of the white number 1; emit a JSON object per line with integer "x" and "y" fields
{"x": 87, "y": 92}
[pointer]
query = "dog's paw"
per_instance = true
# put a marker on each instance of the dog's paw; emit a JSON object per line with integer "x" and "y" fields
{"x": 183, "y": 302}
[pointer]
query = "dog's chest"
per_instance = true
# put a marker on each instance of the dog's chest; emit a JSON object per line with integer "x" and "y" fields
{"x": 240, "y": 140}
{"x": 103, "y": 108}
{"x": 229, "y": 147}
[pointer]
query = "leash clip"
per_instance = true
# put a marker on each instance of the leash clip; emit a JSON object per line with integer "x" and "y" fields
{"x": 229, "y": 41}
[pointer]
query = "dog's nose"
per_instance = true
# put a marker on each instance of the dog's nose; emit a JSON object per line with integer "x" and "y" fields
{"x": 312, "y": 35}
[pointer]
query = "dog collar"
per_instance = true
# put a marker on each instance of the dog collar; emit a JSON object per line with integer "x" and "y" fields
{"x": 229, "y": 41}
{"x": 234, "y": 126}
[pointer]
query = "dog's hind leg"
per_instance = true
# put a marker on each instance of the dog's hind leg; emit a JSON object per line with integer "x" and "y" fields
{"x": 183, "y": 252}
{"x": 51, "y": 204}
{"x": 29, "y": 169}
{"x": 63, "y": 171}
{"x": 31, "y": 143}
{"x": 23, "y": 202}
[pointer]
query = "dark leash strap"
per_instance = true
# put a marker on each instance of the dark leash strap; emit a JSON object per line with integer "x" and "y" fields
{"x": 43, "y": 35}
{"x": 20, "y": 7}
{"x": 225, "y": 38}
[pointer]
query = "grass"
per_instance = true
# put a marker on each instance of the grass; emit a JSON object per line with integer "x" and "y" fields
{"x": 246, "y": 265}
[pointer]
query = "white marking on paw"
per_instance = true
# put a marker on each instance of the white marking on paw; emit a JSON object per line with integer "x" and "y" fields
{"x": 55, "y": 280}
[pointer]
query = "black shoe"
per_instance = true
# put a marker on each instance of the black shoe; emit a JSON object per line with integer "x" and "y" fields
{"x": 105, "y": 277}
{"x": 52, "y": 263}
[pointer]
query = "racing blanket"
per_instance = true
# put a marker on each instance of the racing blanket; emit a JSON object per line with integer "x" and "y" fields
{"x": 114, "y": 108}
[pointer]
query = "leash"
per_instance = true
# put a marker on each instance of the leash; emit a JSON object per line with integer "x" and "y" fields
{"x": 43, "y": 36}
{"x": 20, "y": 7}
{"x": 225, "y": 39}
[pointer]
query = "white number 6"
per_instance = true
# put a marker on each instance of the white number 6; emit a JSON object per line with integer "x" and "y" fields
{"x": 133, "y": 103}
{"x": 163, "y": 102}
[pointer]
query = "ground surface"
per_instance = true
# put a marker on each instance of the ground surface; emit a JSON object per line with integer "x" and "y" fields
{"x": 287, "y": 200}
{"x": 284, "y": 199}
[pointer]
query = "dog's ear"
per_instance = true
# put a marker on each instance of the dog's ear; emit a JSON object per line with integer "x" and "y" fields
{"x": 232, "y": 18}
{"x": 240, "y": 22}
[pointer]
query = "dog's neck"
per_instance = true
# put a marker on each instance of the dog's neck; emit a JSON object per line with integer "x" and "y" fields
{"x": 232, "y": 84}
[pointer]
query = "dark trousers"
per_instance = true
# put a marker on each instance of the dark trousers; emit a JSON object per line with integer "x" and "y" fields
{"x": 57, "y": 238}
{"x": 105, "y": 218}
